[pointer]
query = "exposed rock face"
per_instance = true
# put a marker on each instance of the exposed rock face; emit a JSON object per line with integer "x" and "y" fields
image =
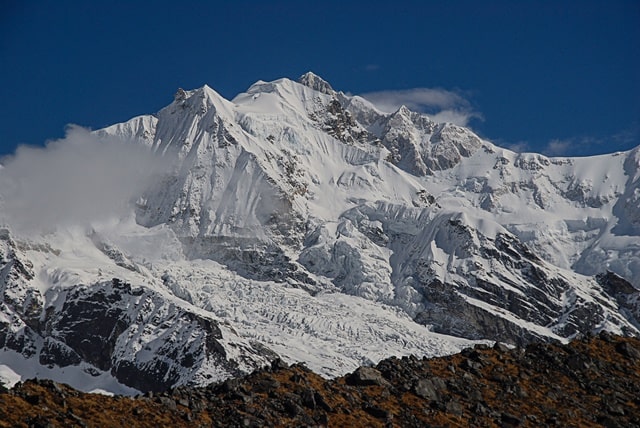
{"x": 144, "y": 340}
{"x": 21, "y": 304}
{"x": 471, "y": 284}
{"x": 316, "y": 83}
{"x": 136, "y": 335}
{"x": 452, "y": 309}
{"x": 100, "y": 325}
{"x": 590, "y": 382}
{"x": 623, "y": 292}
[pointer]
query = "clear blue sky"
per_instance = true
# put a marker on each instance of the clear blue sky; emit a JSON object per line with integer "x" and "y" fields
{"x": 561, "y": 77}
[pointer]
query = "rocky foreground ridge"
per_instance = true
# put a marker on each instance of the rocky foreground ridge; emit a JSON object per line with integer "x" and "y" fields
{"x": 593, "y": 381}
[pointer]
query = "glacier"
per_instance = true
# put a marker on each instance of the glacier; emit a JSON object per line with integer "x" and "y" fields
{"x": 299, "y": 222}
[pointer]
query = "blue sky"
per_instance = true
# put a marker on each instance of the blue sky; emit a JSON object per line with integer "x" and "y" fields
{"x": 558, "y": 77}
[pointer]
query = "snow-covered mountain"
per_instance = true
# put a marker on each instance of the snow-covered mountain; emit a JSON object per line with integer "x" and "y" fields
{"x": 299, "y": 222}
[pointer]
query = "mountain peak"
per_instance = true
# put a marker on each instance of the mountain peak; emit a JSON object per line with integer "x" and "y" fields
{"x": 316, "y": 82}
{"x": 315, "y": 218}
{"x": 403, "y": 110}
{"x": 180, "y": 95}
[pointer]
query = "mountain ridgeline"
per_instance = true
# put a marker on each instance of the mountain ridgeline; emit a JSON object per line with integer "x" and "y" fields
{"x": 299, "y": 222}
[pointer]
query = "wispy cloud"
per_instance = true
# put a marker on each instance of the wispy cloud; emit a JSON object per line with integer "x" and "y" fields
{"x": 519, "y": 147}
{"x": 554, "y": 147}
{"x": 558, "y": 147}
{"x": 73, "y": 181}
{"x": 588, "y": 145}
{"x": 371, "y": 67}
{"x": 628, "y": 137}
{"x": 442, "y": 105}
{"x": 581, "y": 145}
{"x": 416, "y": 98}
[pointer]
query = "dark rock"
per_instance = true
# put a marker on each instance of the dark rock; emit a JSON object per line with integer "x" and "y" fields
{"x": 612, "y": 406}
{"x": 56, "y": 353}
{"x": 279, "y": 364}
{"x": 292, "y": 408}
{"x": 32, "y": 399}
{"x": 266, "y": 385}
{"x": 77, "y": 419}
{"x": 479, "y": 409}
{"x": 426, "y": 389}
{"x": 628, "y": 350}
{"x": 168, "y": 403}
{"x": 320, "y": 401}
{"x": 471, "y": 366}
{"x": 145, "y": 377}
{"x": 501, "y": 347}
{"x": 376, "y": 412}
{"x": 322, "y": 419}
{"x": 608, "y": 422}
{"x": 606, "y": 336}
{"x": 509, "y": 420}
{"x": 429, "y": 389}
{"x": 475, "y": 394}
{"x": 615, "y": 284}
{"x": 454, "y": 408}
{"x": 230, "y": 385}
{"x": 90, "y": 321}
{"x": 578, "y": 362}
{"x": 308, "y": 398}
{"x": 365, "y": 376}
{"x": 40, "y": 422}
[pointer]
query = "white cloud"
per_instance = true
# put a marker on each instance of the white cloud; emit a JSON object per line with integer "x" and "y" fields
{"x": 519, "y": 147}
{"x": 417, "y": 98}
{"x": 440, "y": 104}
{"x": 75, "y": 180}
{"x": 453, "y": 116}
{"x": 574, "y": 146}
{"x": 629, "y": 136}
{"x": 558, "y": 147}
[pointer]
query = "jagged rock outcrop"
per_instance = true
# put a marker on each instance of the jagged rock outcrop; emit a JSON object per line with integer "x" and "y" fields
{"x": 590, "y": 382}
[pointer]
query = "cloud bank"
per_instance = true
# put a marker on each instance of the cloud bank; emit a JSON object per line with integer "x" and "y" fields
{"x": 74, "y": 181}
{"x": 440, "y": 104}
